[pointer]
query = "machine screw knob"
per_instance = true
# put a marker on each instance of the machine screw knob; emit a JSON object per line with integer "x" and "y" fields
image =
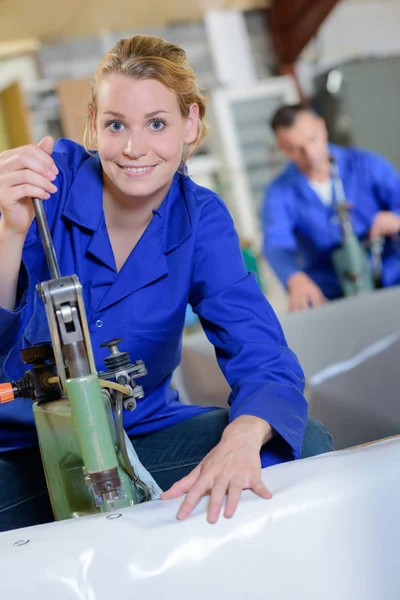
{"x": 112, "y": 345}
{"x": 37, "y": 354}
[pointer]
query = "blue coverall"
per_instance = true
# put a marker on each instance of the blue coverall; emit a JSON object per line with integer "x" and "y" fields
{"x": 300, "y": 231}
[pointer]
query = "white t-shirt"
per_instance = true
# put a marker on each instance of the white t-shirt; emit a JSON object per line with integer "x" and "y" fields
{"x": 323, "y": 189}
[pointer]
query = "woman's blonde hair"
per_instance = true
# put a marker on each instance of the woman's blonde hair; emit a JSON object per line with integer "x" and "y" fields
{"x": 151, "y": 57}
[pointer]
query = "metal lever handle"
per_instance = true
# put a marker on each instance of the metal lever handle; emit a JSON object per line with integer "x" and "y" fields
{"x": 46, "y": 239}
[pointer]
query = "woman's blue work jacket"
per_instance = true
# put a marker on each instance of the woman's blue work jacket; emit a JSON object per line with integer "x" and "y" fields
{"x": 189, "y": 253}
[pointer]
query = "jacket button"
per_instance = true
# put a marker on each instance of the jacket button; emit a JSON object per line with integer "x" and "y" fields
{"x": 99, "y": 323}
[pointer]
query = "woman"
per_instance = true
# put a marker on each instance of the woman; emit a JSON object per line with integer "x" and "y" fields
{"x": 145, "y": 240}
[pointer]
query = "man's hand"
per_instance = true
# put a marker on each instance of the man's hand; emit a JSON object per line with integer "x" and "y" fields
{"x": 385, "y": 224}
{"x": 232, "y": 466}
{"x": 303, "y": 292}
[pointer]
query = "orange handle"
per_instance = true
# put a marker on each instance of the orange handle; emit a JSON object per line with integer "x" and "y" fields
{"x": 6, "y": 393}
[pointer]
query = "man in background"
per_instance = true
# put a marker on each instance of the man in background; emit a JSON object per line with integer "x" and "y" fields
{"x": 300, "y": 222}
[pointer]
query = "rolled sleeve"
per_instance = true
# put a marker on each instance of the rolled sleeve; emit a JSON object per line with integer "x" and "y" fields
{"x": 284, "y": 263}
{"x": 385, "y": 182}
{"x": 279, "y": 241}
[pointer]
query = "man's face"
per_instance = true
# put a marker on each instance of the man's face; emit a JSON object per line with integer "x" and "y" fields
{"x": 305, "y": 143}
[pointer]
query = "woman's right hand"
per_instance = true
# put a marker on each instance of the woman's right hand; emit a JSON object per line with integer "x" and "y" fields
{"x": 25, "y": 172}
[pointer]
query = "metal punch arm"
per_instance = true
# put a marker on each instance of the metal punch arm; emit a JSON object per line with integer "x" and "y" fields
{"x": 73, "y": 355}
{"x": 83, "y": 446}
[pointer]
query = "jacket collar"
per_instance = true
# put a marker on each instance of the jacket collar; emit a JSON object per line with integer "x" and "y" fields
{"x": 84, "y": 205}
{"x": 299, "y": 181}
{"x": 175, "y": 213}
{"x": 169, "y": 228}
{"x": 294, "y": 174}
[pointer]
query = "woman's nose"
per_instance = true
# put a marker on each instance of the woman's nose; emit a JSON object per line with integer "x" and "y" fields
{"x": 135, "y": 146}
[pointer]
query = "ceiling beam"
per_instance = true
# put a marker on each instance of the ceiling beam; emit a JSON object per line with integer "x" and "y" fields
{"x": 293, "y": 23}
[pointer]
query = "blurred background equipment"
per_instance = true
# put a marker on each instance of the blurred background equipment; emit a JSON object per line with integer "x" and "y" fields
{"x": 14, "y": 118}
{"x": 350, "y": 260}
{"x": 360, "y": 101}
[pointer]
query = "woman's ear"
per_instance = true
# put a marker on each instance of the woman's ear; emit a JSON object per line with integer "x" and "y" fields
{"x": 93, "y": 125}
{"x": 192, "y": 124}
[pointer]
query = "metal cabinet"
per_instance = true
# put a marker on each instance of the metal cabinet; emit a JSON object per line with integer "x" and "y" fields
{"x": 246, "y": 146}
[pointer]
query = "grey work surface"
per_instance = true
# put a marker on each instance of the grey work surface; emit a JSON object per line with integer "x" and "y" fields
{"x": 350, "y": 352}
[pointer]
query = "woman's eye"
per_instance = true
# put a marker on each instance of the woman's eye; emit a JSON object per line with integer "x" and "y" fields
{"x": 157, "y": 125}
{"x": 115, "y": 126}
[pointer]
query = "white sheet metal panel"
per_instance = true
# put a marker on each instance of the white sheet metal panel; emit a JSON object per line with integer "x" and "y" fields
{"x": 330, "y": 532}
{"x": 349, "y": 350}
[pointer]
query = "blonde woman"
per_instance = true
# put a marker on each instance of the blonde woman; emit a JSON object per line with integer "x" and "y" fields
{"x": 145, "y": 240}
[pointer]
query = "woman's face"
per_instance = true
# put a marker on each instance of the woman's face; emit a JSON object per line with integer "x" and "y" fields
{"x": 140, "y": 135}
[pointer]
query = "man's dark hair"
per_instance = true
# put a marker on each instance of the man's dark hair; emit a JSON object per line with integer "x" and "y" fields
{"x": 286, "y": 115}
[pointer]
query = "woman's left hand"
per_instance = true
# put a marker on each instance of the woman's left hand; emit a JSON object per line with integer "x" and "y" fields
{"x": 232, "y": 466}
